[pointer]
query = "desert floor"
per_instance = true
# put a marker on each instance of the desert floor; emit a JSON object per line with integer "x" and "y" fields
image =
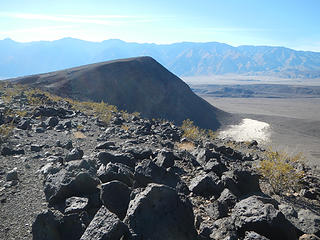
{"x": 294, "y": 123}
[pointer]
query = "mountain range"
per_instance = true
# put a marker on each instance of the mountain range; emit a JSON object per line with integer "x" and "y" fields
{"x": 183, "y": 59}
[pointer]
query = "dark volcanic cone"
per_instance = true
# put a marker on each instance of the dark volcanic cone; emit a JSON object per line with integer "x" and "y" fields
{"x": 136, "y": 84}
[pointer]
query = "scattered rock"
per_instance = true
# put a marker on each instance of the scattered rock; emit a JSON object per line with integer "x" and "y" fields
{"x": 6, "y": 151}
{"x": 309, "y": 237}
{"x": 254, "y": 236}
{"x": 241, "y": 182}
{"x": 46, "y": 226}
{"x": 116, "y": 171}
{"x": 106, "y": 157}
{"x": 206, "y": 185}
{"x": 165, "y": 159}
{"x": 159, "y": 212}
{"x": 217, "y": 210}
{"x": 204, "y": 154}
{"x": 224, "y": 228}
{"x": 35, "y": 148}
{"x": 227, "y": 198}
{"x": 25, "y": 124}
{"x": 259, "y": 214}
{"x": 12, "y": 175}
{"x": 74, "y": 154}
{"x": 64, "y": 184}
{"x": 105, "y": 145}
{"x": 52, "y": 121}
{"x": 105, "y": 225}
{"x": 115, "y": 196}
{"x": 148, "y": 172}
{"x": 75, "y": 204}
{"x": 308, "y": 222}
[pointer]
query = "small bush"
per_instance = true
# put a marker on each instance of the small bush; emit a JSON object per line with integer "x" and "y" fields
{"x": 5, "y": 132}
{"x": 189, "y": 146}
{"x": 279, "y": 170}
{"x": 125, "y": 127}
{"x": 192, "y": 132}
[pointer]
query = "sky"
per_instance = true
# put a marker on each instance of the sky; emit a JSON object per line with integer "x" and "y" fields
{"x": 289, "y": 23}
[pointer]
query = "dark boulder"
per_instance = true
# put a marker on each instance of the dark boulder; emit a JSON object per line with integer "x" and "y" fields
{"x": 206, "y": 185}
{"x": 68, "y": 145}
{"x": 227, "y": 198}
{"x": 241, "y": 182}
{"x": 260, "y": 214}
{"x": 6, "y": 151}
{"x": 65, "y": 184}
{"x": 115, "y": 196}
{"x": 24, "y": 124}
{"x": 46, "y": 226}
{"x": 217, "y": 210}
{"x": 105, "y": 226}
{"x": 12, "y": 175}
{"x": 148, "y": 172}
{"x": 52, "y": 112}
{"x": 36, "y": 148}
{"x": 52, "y": 225}
{"x": 204, "y": 154}
{"x": 159, "y": 212}
{"x": 165, "y": 159}
{"x": 106, "y": 145}
{"x": 254, "y": 236}
{"x": 305, "y": 220}
{"x": 224, "y": 228}
{"x": 74, "y": 154}
{"x": 216, "y": 166}
{"x": 52, "y": 121}
{"x": 72, "y": 226}
{"x": 116, "y": 171}
{"x": 139, "y": 152}
{"x": 106, "y": 157}
{"x": 75, "y": 204}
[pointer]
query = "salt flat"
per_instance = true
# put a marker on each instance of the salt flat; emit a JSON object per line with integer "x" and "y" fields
{"x": 294, "y": 124}
{"x": 248, "y": 130}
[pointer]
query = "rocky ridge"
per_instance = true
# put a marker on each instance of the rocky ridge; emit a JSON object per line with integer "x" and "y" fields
{"x": 67, "y": 173}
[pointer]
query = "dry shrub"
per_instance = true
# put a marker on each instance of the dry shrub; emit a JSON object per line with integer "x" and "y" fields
{"x": 279, "y": 170}
{"x": 192, "y": 132}
{"x": 189, "y": 146}
{"x": 79, "y": 135}
{"x": 125, "y": 127}
{"x": 5, "y": 132}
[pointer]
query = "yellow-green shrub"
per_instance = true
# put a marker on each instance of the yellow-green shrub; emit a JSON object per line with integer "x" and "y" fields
{"x": 279, "y": 170}
{"x": 190, "y": 131}
{"x": 5, "y": 132}
{"x": 193, "y": 132}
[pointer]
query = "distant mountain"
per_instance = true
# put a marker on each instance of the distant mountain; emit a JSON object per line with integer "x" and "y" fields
{"x": 136, "y": 84}
{"x": 183, "y": 59}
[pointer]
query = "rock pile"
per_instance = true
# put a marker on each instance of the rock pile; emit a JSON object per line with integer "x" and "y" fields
{"x": 64, "y": 175}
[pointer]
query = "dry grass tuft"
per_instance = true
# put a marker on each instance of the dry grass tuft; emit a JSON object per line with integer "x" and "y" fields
{"x": 188, "y": 146}
{"x": 79, "y": 135}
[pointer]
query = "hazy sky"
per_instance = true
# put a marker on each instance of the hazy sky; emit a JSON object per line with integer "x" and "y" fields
{"x": 290, "y": 23}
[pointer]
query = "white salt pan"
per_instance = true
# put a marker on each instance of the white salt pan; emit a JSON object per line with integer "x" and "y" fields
{"x": 248, "y": 130}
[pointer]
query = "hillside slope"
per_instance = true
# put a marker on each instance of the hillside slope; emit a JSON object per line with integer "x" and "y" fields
{"x": 183, "y": 59}
{"x": 136, "y": 84}
{"x": 64, "y": 175}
